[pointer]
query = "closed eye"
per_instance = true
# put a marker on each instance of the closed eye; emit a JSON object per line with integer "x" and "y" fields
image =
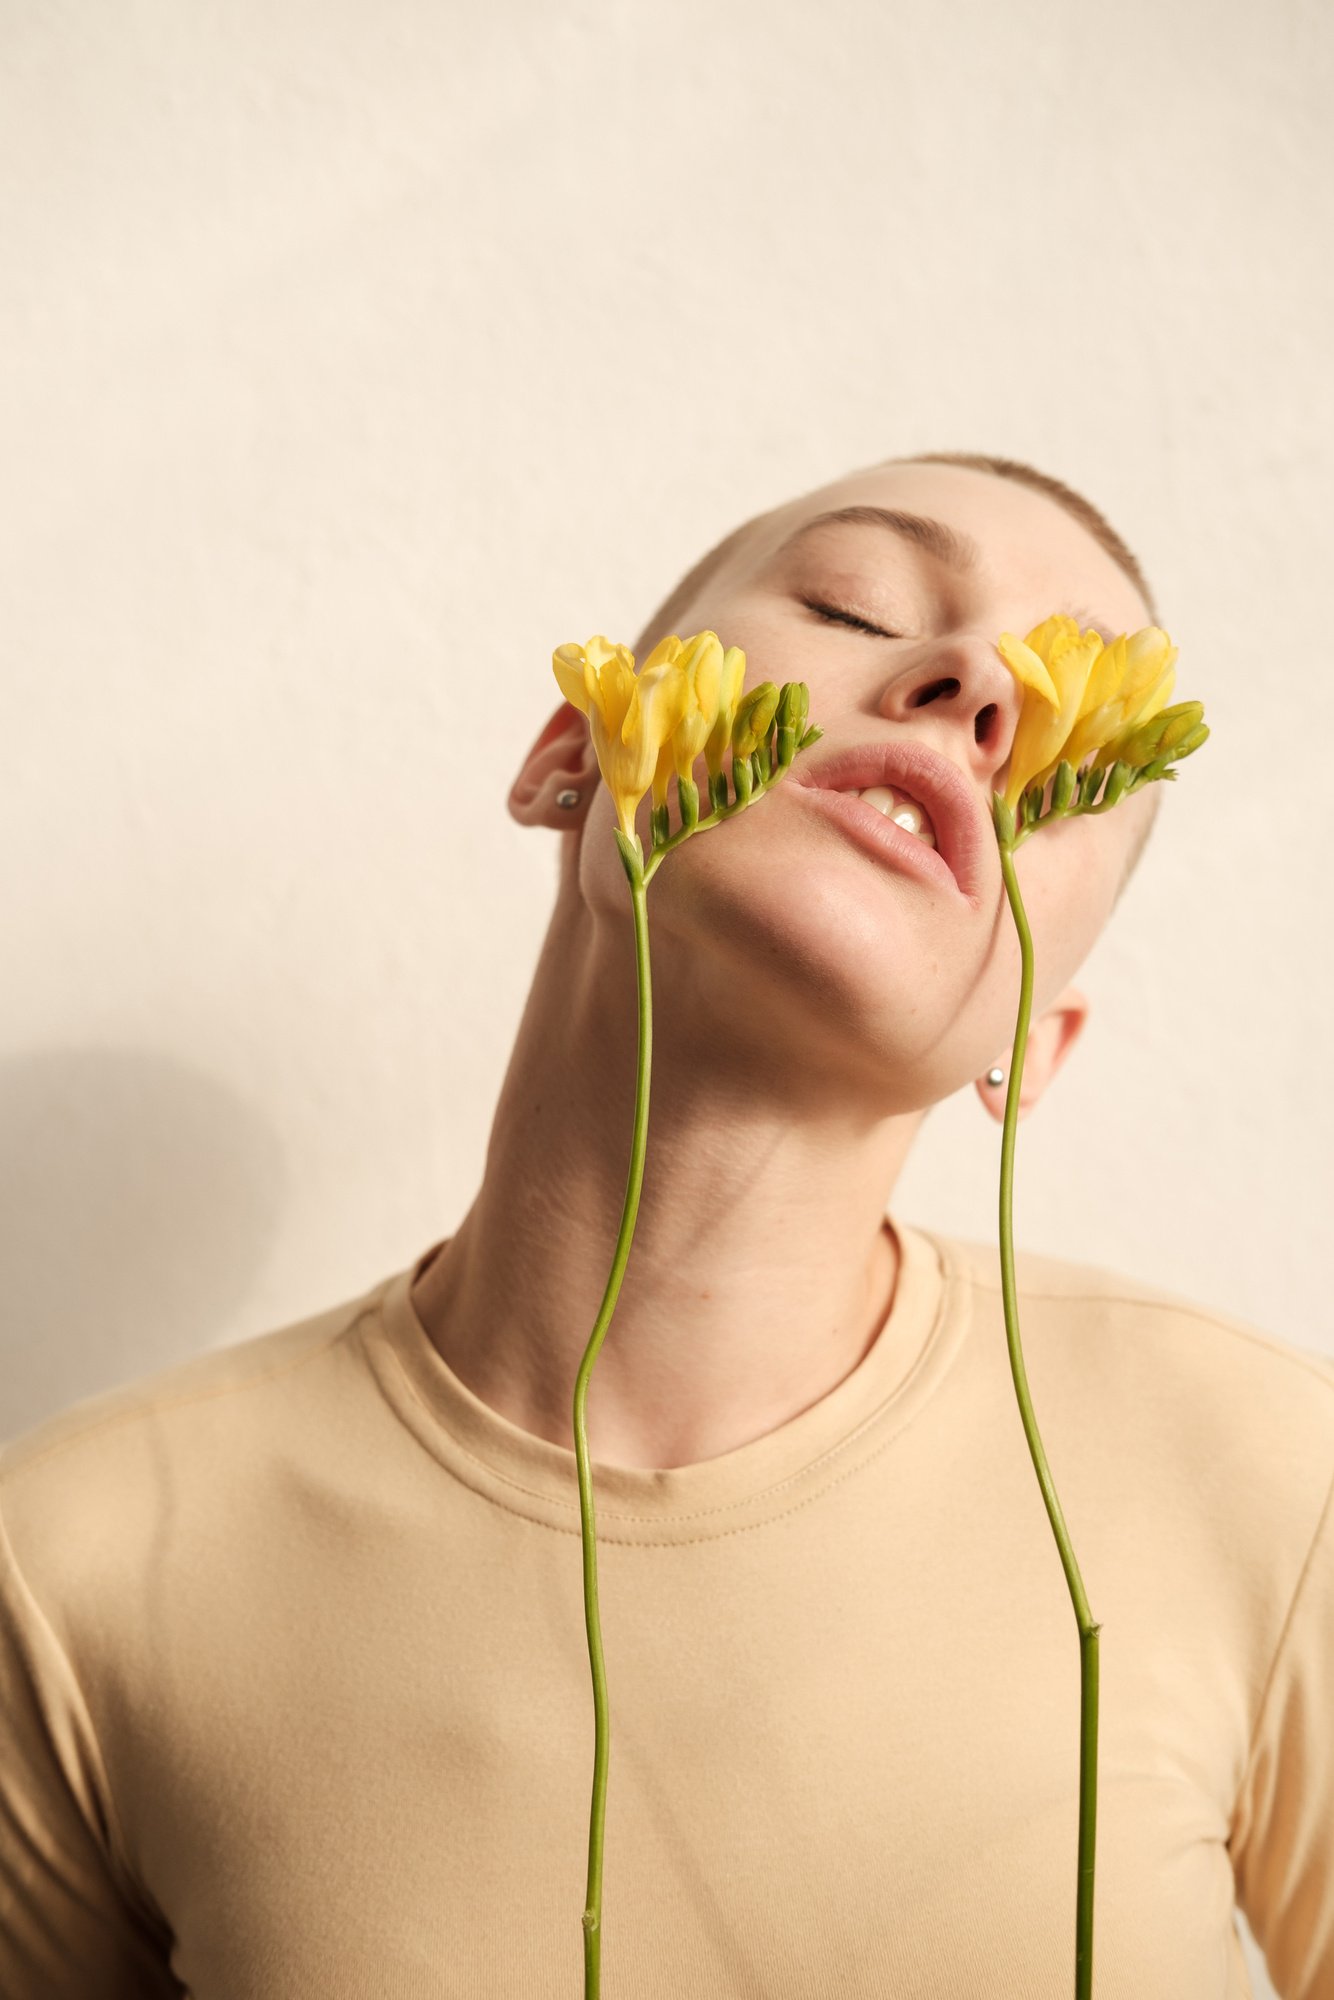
{"x": 848, "y": 618}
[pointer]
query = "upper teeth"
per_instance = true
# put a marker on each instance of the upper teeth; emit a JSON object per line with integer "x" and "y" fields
{"x": 904, "y": 812}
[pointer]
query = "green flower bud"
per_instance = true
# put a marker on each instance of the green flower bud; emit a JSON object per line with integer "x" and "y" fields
{"x": 1003, "y": 820}
{"x": 793, "y": 705}
{"x": 813, "y": 735}
{"x": 1090, "y": 784}
{"x": 742, "y": 779}
{"x": 1183, "y": 739}
{"x": 1160, "y": 736}
{"x": 1063, "y": 786}
{"x": 687, "y": 801}
{"x": 1179, "y": 743}
{"x": 660, "y": 825}
{"x": 1117, "y": 780}
{"x": 783, "y": 712}
{"x": 754, "y": 718}
{"x": 762, "y": 763}
{"x": 1187, "y": 717}
{"x": 717, "y": 791}
{"x": 790, "y": 719}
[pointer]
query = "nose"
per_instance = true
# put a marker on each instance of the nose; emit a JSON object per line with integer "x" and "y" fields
{"x": 962, "y": 694}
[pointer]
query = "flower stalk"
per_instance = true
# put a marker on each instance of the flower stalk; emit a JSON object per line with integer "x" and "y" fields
{"x": 1093, "y": 729}
{"x": 1088, "y": 1630}
{"x": 1102, "y": 708}
{"x": 686, "y": 700}
{"x": 592, "y": 1917}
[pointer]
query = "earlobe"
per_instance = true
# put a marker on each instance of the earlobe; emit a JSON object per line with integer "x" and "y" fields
{"x": 560, "y": 761}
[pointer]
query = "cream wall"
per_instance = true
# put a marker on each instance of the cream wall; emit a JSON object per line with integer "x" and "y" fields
{"x": 356, "y": 355}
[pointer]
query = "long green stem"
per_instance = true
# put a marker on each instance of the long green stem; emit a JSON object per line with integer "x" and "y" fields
{"x": 592, "y": 1918}
{"x": 1088, "y": 1631}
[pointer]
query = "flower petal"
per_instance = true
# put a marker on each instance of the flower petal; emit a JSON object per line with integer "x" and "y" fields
{"x": 614, "y": 689}
{"x": 1028, "y": 668}
{"x": 731, "y": 681}
{"x": 663, "y": 770}
{"x": 601, "y": 651}
{"x": 1056, "y": 631}
{"x": 568, "y": 666}
{"x": 668, "y": 648}
{"x": 702, "y": 658}
{"x": 1041, "y": 733}
{"x": 659, "y": 699}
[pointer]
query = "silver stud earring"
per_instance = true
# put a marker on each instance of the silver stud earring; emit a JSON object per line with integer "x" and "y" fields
{"x": 995, "y": 1076}
{"x": 567, "y": 798}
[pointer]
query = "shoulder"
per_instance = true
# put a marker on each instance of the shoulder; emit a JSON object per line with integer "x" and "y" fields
{"x": 85, "y": 1493}
{"x": 1166, "y": 1368}
{"x": 1101, "y": 1304}
{"x": 1180, "y": 1430}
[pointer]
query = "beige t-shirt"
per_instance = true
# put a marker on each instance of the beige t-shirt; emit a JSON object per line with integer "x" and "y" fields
{"x": 296, "y": 1702}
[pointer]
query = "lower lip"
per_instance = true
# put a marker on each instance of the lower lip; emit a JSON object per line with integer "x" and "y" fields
{"x": 881, "y": 837}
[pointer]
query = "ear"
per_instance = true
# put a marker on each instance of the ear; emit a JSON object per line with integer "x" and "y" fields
{"x": 1050, "y": 1039}
{"x": 561, "y": 759}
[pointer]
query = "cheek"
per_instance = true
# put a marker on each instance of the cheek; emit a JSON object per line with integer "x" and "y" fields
{"x": 602, "y": 879}
{"x": 1067, "y": 877}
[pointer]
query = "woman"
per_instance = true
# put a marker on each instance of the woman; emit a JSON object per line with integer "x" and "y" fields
{"x": 292, "y": 1654}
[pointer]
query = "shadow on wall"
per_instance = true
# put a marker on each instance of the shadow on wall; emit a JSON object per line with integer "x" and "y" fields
{"x": 138, "y": 1200}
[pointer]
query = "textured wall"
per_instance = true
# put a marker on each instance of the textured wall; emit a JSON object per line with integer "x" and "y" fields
{"x": 354, "y": 356}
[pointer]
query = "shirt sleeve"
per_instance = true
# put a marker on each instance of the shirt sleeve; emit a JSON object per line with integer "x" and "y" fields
{"x": 70, "y": 1927}
{"x": 1282, "y": 1838}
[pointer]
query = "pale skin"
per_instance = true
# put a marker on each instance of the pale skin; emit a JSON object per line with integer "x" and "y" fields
{"x": 810, "y": 1002}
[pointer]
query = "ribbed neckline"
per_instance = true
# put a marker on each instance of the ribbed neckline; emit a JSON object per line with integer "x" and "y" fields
{"x": 772, "y": 1475}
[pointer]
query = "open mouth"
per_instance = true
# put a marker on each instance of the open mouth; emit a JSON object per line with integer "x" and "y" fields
{"x": 881, "y": 830}
{"x": 908, "y": 804}
{"x": 899, "y": 806}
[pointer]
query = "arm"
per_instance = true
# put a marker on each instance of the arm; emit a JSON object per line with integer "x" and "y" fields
{"x": 72, "y": 1926}
{"x": 1282, "y": 1835}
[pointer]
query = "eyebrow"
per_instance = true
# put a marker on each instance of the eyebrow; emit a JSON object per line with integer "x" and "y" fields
{"x": 949, "y": 545}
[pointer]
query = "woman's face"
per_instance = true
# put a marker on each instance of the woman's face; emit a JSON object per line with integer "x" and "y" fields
{"x": 782, "y": 926}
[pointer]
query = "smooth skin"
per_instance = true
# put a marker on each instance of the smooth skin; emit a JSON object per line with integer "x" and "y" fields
{"x": 811, "y": 1003}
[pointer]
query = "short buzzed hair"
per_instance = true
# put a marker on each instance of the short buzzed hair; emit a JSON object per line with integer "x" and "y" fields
{"x": 1096, "y": 524}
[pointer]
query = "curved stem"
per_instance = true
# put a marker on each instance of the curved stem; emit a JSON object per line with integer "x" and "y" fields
{"x": 592, "y": 1917}
{"x": 1088, "y": 1630}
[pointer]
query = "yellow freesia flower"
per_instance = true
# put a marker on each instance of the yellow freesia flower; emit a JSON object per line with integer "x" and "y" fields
{"x": 1053, "y": 664}
{"x": 701, "y": 660}
{"x": 630, "y": 716}
{"x": 1131, "y": 681}
{"x": 729, "y": 698}
{"x": 1079, "y": 694}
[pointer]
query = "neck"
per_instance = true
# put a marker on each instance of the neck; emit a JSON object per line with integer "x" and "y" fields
{"x": 761, "y": 1269}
